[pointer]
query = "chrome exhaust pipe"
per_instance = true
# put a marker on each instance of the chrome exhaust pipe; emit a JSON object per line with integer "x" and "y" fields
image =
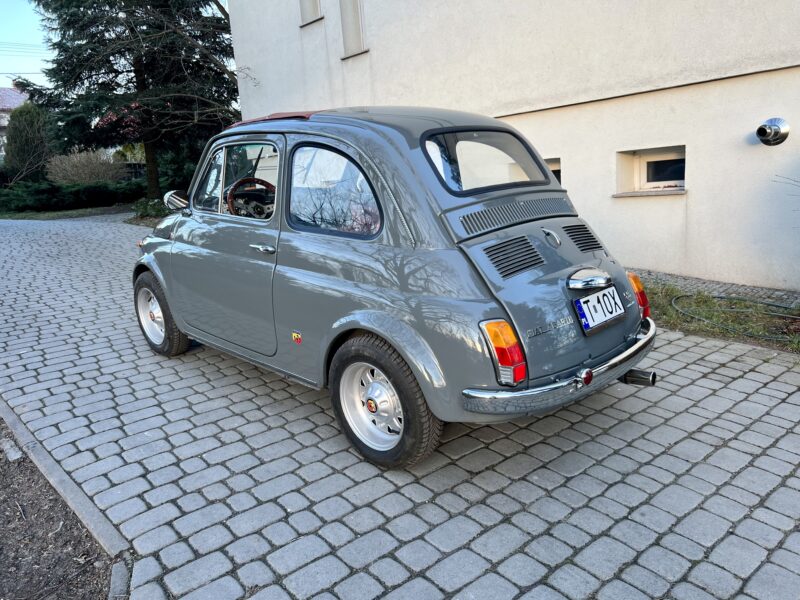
{"x": 639, "y": 377}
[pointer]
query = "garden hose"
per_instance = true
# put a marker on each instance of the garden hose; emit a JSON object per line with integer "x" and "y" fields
{"x": 777, "y": 338}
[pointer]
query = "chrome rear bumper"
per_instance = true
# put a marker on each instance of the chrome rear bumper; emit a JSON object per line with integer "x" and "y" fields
{"x": 550, "y": 396}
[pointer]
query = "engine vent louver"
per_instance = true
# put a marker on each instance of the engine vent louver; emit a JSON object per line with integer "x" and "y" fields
{"x": 514, "y": 256}
{"x": 582, "y": 238}
{"x": 504, "y": 215}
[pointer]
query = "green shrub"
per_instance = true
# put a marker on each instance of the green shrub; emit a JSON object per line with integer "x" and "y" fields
{"x": 45, "y": 196}
{"x": 150, "y": 208}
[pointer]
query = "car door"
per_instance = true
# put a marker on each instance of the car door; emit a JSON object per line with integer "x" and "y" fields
{"x": 224, "y": 246}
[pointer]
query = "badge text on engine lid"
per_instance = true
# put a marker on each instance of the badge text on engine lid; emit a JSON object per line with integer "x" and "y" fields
{"x": 598, "y": 308}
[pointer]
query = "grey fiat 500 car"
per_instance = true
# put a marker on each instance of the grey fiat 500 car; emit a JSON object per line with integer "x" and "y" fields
{"x": 422, "y": 264}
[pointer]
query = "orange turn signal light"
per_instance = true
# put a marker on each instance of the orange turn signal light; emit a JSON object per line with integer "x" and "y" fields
{"x": 641, "y": 296}
{"x": 506, "y": 351}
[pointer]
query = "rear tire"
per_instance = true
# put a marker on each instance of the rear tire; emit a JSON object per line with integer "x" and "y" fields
{"x": 379, "y": 403}
{"x": 155, "y": 318}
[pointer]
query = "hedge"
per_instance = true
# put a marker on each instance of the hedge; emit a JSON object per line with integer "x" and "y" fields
{"x": 31, "y": 196}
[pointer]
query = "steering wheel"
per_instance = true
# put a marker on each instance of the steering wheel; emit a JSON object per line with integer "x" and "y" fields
{"x": 253, "y": 181}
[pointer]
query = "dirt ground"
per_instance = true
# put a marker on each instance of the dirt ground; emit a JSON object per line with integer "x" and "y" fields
{"x": 45, "y": 551}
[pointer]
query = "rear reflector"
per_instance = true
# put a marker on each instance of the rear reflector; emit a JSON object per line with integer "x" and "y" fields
{"x": 507, "y": 353}
{"x": 641, "y": 296}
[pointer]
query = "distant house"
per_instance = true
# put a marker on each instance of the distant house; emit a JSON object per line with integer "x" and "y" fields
{"x": 10, "y": 98}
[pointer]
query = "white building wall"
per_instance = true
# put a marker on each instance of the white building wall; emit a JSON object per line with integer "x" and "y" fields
{"x": 736, "y": 222}
{"x": 583, "y": 80}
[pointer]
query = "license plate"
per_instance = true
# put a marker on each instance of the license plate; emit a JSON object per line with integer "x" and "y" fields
{"x": 598, "y": 308}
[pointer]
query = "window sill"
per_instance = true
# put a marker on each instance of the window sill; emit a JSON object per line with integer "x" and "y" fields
{"x": 669, "y": 192}
{"x": 359, "y": 53}
{"x": 312, "y": 21}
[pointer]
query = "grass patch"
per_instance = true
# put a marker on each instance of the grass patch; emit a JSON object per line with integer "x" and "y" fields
{"x": 67, "y": 214}
{"x": 739, "y": 320}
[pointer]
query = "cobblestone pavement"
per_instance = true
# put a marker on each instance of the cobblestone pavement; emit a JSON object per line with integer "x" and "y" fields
{"x": 231, "y": 482}
{"x": 693, "y": 284}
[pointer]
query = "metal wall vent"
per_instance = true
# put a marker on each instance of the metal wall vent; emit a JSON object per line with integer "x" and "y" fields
{"x": 514, "y": 256}
{"x": 582, "y": 238}
{"x": 511, "y": 213}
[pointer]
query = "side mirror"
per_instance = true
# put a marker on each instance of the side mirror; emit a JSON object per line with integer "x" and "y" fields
{"x": 176, "y": 200}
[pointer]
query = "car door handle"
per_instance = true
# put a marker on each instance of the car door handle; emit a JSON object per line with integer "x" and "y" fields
{"x": 264, "y": 249}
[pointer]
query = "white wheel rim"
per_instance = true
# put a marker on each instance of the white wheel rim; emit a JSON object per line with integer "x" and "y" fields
{"x": 150, "y": 315}
{"x": 371, "y": 406}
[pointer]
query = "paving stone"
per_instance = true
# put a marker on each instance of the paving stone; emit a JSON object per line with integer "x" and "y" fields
{"x": 418, "y": 555}
{"x": 225, "y": 588}
{"x": 407, "y": 527}
{"x": 457, "y": 570}
{"x": 772, "y": 582}
{"x": 703, "y": 527}
{"x": 317, "y": 576}
{"x": 197, "y": 573}
{"x": 415, "y": 590}
{"x": 148, "y": 520}
{"x": 201, "y": 518}
{"x": 273, "y": 592}
{"x": 604, "y": 557}
{"x": 298, "y": 553}
{"x": 667, "y": 564}
{"x": 389, "y": 572}
{"x": 573, "y": 582}
{"x": 522, "y": 570}
{"x": 548, "y": 550}
{"x": 154, "y": 540}
{"x": 738, "y": 555}
{"x": 359, "y": 587}
{"x": 490, "y": 585}
{"x": 645, "y": 580}
{"x": 366, "y": 549}
{"x": 144, "y": 570}
{"x": 499, "y": 542}
{"x": 714, "y": 580}
{"x": 210, "y": 539}
{"x": 677, "y": 500}
{"x": 254, "y": 519}
{"x": 454, "y": 533}
{"x": 176, "y": 555}
{"x": 255, "y": 574}
{"x": 151, "y": 591}
{"x": 685, "y": 547}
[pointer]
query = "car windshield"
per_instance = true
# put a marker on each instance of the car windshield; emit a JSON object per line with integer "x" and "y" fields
{"x": 469, "y": 160}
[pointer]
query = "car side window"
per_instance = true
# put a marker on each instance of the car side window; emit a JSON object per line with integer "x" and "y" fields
{"x": 207, "y": 195}
{"x": 330, "y": 193}
{"x": 251, "y": 179}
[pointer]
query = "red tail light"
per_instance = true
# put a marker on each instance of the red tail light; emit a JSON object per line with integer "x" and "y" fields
{"x": 641, "y": 296}
{"x": 507, "y": 352}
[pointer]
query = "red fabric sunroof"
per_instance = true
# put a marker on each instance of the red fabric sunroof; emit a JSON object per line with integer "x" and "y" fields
{"x": 276, "y": 116}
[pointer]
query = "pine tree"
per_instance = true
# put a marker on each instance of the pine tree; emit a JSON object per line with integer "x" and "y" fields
{"x": 153, "y": 72}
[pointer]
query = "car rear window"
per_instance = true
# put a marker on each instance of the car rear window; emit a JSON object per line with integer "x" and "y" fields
{"x": 471, "y": 160}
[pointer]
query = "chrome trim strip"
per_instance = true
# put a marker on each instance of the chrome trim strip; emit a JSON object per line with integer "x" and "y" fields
{"x": 588, "y": 279}
{"x": 644, "y": 341}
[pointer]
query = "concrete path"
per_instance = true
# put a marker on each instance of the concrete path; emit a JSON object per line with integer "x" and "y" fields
{"x": 227, "y": 481}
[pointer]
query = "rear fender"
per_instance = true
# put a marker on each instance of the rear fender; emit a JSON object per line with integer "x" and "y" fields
{"x": 403, "y": 338}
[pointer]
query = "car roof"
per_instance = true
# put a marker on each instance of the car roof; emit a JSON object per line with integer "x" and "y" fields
{"x": 410, "y": 121}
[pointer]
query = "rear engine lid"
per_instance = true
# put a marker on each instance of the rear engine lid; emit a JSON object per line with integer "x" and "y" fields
{"x": 527, "y": 266}
{"x": 482, "y": 217}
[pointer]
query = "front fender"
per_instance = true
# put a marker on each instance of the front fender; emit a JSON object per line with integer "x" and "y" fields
{"x": 148, "y": 262}
{"x": 403, "y": 338}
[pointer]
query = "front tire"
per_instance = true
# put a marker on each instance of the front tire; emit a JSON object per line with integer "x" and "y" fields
{"x": 155, "y": 318}
{"x": 379, "y": 403}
